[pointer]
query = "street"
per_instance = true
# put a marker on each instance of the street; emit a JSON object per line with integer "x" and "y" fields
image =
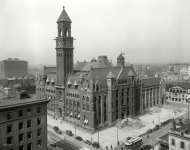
{"x": 153, "y": 137}
{"x": 70, "y": 138}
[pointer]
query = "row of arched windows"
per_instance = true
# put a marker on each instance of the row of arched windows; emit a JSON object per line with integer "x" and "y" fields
{"x": 87, "y": 98}
{"x": 50, "y": 90}
{"x": 72, "y": 95}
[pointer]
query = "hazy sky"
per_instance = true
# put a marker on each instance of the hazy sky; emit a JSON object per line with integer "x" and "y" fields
{"x": 145, "y": 30}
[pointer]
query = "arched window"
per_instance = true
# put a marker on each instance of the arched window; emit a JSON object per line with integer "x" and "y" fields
{"x": 60, "y": 32}
{"x": 83, "y": 98}
{"x": 60, "y": 96}
{"x": 66, "y": 32}
{"x": 87, "y": 98}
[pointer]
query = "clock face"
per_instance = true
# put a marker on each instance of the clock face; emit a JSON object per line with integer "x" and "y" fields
{"x": 59, "y": 44}
{"x": 67, "y": 43}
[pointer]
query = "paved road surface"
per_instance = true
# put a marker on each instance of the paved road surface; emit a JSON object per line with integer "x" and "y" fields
{"x": 64, "y": 135}
{"x": 153, "y": 137}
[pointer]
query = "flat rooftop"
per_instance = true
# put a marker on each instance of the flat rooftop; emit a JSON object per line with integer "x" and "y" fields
{"x": 164, "y": 138}
{"x": 12, "y": 102}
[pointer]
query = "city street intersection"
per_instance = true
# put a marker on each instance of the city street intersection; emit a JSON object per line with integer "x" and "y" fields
{"x": 108, "y": 136}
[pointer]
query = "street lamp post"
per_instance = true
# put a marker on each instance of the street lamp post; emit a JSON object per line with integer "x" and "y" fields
{"x": 75, "y": 128}
{"x": 188, "y": 107}
{"x": 98, "y": 136}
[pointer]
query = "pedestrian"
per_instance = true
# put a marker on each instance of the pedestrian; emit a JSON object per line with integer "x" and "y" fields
{"x": 111, "y": 147}
{"x": 153, "y": 121}
{"x": 147, "y": 135}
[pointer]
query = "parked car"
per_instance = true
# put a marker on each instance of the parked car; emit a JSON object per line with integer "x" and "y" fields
{"x": 59, "y": 132}
{"x": 55, "y": 128}
{"x": 88, "y": 142}
{"x": 69, "y": 132}
{"x": 128, "y": 138}
{"x": 147, "y": 147}
{"x": 78, "y": 138}
{"x": 149, "y": 131}
{"x": 53, "y": 145}
{"x": 95, "y": 145}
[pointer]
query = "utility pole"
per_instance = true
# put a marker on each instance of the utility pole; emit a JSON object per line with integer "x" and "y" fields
{"x": 117, "y": 136}
{"x": 75, "y": 128}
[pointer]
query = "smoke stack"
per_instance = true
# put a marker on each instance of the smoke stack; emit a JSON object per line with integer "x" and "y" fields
{"x": 173, "y": 125}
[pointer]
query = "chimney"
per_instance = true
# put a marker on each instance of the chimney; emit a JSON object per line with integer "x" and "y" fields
{"x": 173, "y": 125}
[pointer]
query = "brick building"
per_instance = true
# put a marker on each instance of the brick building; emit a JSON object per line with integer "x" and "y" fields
{"x": 93, "y": 94}
{"x": 13, "y": 68}
{"x": 153, "y": 92}
{"x": 23, "y": 123}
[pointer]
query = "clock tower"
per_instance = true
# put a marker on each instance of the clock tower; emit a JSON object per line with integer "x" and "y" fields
{"x": 64, "y": 60}
{"x": 64, "y": 48}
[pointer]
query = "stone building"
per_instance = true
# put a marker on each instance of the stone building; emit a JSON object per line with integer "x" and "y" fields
{"x": 23, "y": 123}
{"x": 91, "y": 94}
{"x": 153, "y": 92}
{"x": 13, "y": 68}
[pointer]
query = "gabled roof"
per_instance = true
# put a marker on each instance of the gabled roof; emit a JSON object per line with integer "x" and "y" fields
{"x": 102, "y": 62}
{"x": 64, "y": 17}
{"x": 102, "y": 74}
{"x": 148, "y": 82}
{"x": 110, "y": 75}
{"x": 79, "y": 65}
{"x": 130, "y": 73}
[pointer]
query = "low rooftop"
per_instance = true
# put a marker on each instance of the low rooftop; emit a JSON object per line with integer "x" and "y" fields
{"x": 13, "y": 102}
{"x": 164, "y": 138}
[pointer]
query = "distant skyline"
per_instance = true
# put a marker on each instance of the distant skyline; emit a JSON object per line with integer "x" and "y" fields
{"x": 147, "y": 31}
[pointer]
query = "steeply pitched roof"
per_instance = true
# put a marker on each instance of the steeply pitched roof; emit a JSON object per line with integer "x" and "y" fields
{"x": 64, "y": 17}
{"x": 102, "y": 62}
{"x": 110, "y": 75}
{"x": 130, "y": 73}
{"x": 148, "y": 82}
{"x": 120, "y": 57}
{"x": 79, "y": 66}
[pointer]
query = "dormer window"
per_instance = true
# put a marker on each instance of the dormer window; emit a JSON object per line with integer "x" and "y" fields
{"x": 52, "y": 82}
{"x": 69, "y": 83}
{"x": 76, "y": 84}
{"x": 47, "y": 81}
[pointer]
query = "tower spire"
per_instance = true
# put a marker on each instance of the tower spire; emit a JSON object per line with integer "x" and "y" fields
{"x": 64, "y": 17}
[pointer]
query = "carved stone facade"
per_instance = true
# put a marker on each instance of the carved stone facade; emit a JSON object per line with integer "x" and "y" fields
{"x": 91, "y": 94}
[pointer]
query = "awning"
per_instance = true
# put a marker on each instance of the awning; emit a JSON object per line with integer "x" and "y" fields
{"x": 78, "y": 116}
{"x": 71, "y": 114}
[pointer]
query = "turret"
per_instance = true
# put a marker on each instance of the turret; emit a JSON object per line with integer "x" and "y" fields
{"x": 120, "y": 61}
{"x": 110, "y": 80}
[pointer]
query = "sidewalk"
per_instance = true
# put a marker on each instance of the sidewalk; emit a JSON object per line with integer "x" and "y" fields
{"x": 108, "y": 136}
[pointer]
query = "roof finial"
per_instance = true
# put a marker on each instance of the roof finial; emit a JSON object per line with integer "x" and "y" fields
{"x": 63, "y": 7}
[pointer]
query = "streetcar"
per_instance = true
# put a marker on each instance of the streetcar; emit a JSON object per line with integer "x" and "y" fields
{"x": 130, "y": 144}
